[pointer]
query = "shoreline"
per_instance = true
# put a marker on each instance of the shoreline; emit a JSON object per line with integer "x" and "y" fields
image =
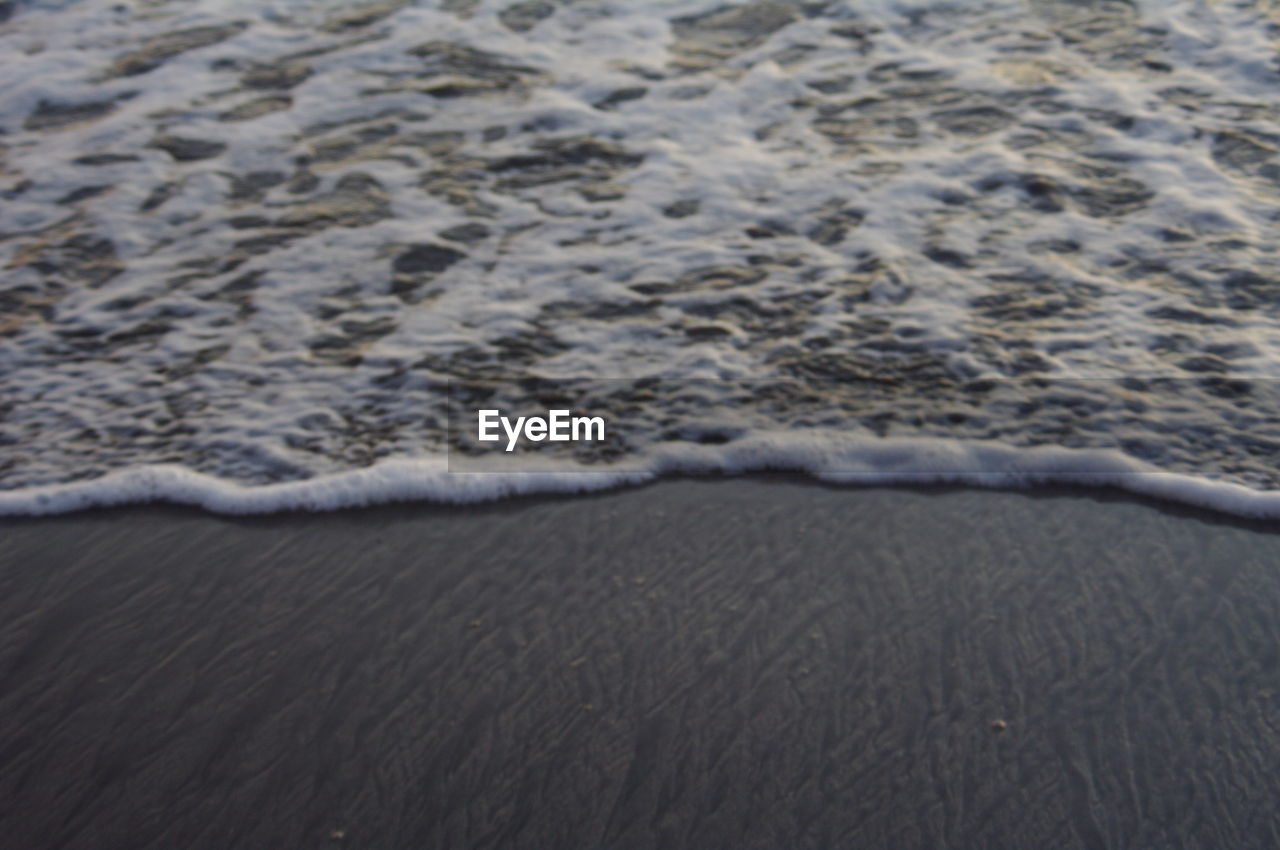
{"x": 753, "y": 662}
{"x": 406, "y": 509}
{"x": 879, "y": 463}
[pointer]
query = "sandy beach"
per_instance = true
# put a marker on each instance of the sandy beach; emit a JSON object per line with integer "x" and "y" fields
{"x": 755, "y": 663}
{"x": 262, "y": 258}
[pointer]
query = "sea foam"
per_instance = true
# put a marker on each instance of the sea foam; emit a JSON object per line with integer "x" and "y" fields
{"x": 244, "y": 246}
{"x": 884, "y": 462}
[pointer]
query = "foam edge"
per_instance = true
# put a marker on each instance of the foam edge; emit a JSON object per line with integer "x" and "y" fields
{"x": 828, "y": 458}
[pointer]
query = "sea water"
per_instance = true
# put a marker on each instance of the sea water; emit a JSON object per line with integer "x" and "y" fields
{"x": 249, "y": 251}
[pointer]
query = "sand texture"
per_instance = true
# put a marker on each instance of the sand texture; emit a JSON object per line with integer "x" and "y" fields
{"x": 696, "y": 664}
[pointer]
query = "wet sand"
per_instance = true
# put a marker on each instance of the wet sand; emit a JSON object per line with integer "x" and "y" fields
{"x": 696, "y": 664}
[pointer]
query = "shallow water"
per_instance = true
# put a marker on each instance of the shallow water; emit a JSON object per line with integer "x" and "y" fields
{"x": 258, "y": 240}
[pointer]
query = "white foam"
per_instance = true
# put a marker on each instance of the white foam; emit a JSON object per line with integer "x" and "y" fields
{"x": 828, "y": 458}
{"x": 751, "y": 148}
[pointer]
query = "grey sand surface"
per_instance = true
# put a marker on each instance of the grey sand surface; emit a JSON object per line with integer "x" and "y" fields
{"x": 749, "y": 663}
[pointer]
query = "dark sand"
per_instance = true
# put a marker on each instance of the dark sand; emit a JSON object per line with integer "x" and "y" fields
{"x": 747, "y": 664}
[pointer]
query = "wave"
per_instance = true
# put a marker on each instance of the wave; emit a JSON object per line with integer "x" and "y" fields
{"x": 829, "y": 459}
{"x": 257, "y": 240}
